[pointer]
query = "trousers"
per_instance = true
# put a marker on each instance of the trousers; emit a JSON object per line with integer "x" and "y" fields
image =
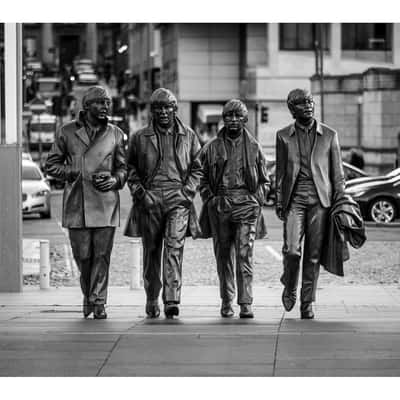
{"x": 233, "y": 222}
{"x": 164, "y": 227}
{"x": 91, "y": 248}
{"x": 305, "y": 220}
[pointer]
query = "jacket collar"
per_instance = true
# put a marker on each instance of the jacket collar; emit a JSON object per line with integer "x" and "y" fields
{"x": 81, "y": 121}
{"x": 81, "y": 125}
{"x": 179, "y": 128}
{"x": 246, "y": 134}
{"x": 292, "y": 128}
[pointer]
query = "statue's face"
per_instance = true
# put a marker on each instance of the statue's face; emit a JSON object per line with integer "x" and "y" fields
{"x": 163, "y": 114}
{"x": 234, "y": 121}
{"x": 99, "y": 108}
{"x": 303, "y": 108}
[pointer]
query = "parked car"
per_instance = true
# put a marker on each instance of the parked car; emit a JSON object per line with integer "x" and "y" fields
{"x": 55, "y": 183}
{"x": 359, "y": 180}
{"x": 87, "y": 79}
{"x": 350, "y": 172}
{"x": 26, "y": 156}
{"x": 82, "y": 64}
{"x": 379, "y": 197}
{"x": 35, "y": 191}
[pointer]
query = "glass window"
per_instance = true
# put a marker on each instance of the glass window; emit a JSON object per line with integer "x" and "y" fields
{"x": 30, "y": 173}
{"x": 367, "y": 37}
{"x": 302, "y": 36}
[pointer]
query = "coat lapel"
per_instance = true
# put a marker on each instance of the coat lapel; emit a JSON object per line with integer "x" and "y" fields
{"x": 293, "y": 144}
{"x": 82, "y": 135}
{"x": 250, "y": 149}
{"x": 154, "y": 141}
{"x": 318, "y": 140}
{"x": 221, "y": 159}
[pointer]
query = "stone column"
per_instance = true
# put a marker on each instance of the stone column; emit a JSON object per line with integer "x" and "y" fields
{"x": 10, "y": 164}
{"x": 336, "y": 45}
{"x": 47, "y": 43}
{"x": 131, "y": 45}
{"x": 273, "y": 46}
{"x": 91, "y": 42}
{"x": 396, "y": 45}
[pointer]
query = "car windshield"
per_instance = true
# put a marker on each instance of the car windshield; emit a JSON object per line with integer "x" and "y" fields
{"x": 30, "y": 173}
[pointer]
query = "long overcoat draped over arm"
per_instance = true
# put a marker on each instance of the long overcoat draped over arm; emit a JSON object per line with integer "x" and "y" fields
{"x": 345, "y": 225}
{"x": 143, "y": 160}
{"x": 214, "y": 159}
{"x": 83, "y": 205}
{"x": 326, "y": 165}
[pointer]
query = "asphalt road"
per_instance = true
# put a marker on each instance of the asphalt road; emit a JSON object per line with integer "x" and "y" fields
{"x": 34, "y": 227}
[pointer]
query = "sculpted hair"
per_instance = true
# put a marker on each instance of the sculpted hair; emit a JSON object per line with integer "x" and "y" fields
{"x": 296, "y": 95}
{"x": 94, "y": 93}
{"x": 163, "y": 96}
{"x": 236, "y": 106}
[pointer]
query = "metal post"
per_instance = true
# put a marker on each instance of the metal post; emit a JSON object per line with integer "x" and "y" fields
{"x": 44, "y": 264}
{"x": 256, "y": 108}
{"x": 359, "y": 121}
{"x": 135, "y": 273}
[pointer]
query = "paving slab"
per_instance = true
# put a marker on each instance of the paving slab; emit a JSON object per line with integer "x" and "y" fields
{"x": 338, "y": 345}
{"x": 42, "y": 367}
{"x": 188, "y": 370}
{"x": 343, "y": 373}
{"x": 192, "y": 354}
{"x": 355, "y": 333}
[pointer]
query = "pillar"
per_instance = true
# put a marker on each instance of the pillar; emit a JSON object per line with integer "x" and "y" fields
{"x": 396, "y": 45}
{"x": 91, "y": 42}
{"x": 10, "y": 164}
{"x": 273, "y": 47}
{"x": 336, "y": 45}
{"x": 47, "y": 43}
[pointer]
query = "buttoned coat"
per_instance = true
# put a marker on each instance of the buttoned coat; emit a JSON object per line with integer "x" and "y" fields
{"x": 326, "y": 165}
{"x": 214, "y": 158}
{"x": 143, "y": 161}
{"x": 83, "y": 205}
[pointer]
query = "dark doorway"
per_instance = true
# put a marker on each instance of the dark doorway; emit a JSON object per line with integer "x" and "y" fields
{"x": 69, "y": 49}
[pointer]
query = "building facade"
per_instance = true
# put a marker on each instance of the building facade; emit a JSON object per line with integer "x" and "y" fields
{"x": 207, "y": 64}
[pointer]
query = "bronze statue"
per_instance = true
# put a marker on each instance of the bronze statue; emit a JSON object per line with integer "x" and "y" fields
{"x": 309, "y": 178}
{"x": 88, "y": 154}
{"x": 233, "y": 188}
{"x": 163, "y": 175}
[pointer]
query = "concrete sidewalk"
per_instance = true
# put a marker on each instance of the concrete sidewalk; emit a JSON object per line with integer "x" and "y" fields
{"x": 355, "y": 333}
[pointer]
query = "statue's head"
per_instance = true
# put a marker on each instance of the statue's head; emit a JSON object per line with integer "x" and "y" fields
{"x": 235, "y": 115}
{"x": 97, "y": 102}
{"x": 163, "y": 105}
{"x": 301, "y": 105}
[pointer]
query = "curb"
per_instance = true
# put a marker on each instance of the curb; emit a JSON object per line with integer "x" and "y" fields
{"x": 382, "y": 225}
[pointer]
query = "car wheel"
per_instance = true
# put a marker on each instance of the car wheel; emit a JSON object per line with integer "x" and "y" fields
{"x": 382, "y": 211}
{"x": 45, "y": 215}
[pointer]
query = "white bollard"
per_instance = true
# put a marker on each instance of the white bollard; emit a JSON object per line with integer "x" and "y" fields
{"x": 135, "y": 273}
{"x": 44, "y": 264}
